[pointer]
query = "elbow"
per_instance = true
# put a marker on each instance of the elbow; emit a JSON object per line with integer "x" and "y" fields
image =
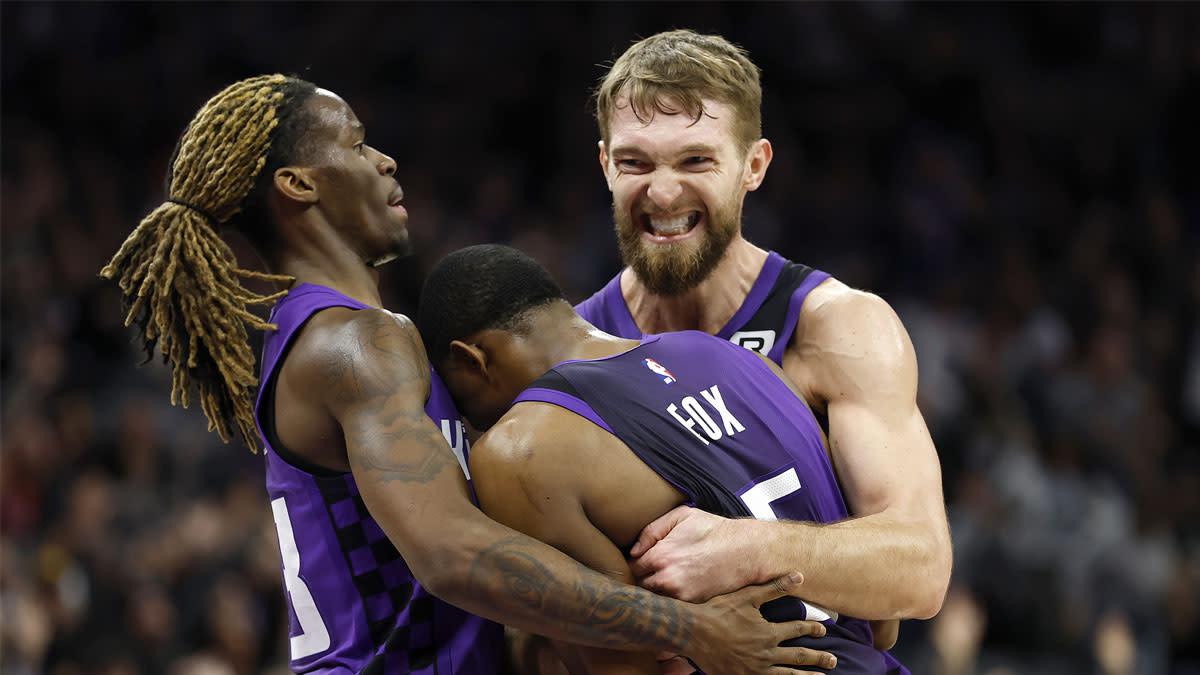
{"x": 445, "y": 573}
{"x": 936, "y": 577}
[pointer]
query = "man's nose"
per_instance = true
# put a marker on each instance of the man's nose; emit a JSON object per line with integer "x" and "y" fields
{"x": 664, "y": 189}
{"x": 387, "y": 165}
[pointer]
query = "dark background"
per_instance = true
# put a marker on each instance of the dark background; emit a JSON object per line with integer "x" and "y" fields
{"x": 1018, "y": 180}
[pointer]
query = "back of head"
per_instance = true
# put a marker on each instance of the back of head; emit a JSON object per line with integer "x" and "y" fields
{"x": 679, "y": 69}
{"x": 482, "y": 287}
{"x": 179, "y": 278}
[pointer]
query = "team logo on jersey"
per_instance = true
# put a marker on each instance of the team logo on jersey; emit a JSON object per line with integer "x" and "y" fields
{"x": 759, "y": 341}
{"x": 657, "y": 368}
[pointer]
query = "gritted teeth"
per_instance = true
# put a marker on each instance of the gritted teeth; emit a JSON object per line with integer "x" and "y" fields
{"x": 665, "y": 225}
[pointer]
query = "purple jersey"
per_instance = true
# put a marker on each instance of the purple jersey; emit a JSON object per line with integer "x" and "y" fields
{"x": 764, "y": 323}
{"x": 715, "y": 421}
{"x": 353, "y": 604}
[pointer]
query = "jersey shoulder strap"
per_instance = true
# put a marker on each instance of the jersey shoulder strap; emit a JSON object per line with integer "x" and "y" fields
{"x": 767, "y": 318}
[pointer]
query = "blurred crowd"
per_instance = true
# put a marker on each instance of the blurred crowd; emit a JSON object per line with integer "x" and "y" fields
{"x": 1019, "y": 180}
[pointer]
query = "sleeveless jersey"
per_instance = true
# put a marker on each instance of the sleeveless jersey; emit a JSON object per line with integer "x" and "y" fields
{"x": 764, "y": 323}
{"x": 715, "y": 421}
{"x": 353, "y": 604}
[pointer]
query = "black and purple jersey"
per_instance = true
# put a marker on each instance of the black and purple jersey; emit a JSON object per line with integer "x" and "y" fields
{"x": 353, "y": 604}
{"x": 715, "y": 421}
{"x": 764, "y": 323}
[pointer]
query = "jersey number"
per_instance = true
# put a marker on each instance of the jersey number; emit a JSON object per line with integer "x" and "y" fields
{"x": 758, "y": 499}
{"x": 314, "y": 636}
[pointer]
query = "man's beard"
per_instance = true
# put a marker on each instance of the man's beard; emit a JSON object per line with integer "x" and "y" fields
{"x": 676, "y": 268}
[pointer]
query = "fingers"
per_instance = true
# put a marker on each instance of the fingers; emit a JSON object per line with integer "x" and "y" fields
{"x": 675, "y": 666}
{"x": 657, "y": 530}
{"x": 802, "y": 656}
{"x": 644, "y": 569}
{"x": 776, "y": 588}
{"x": 671, "y": 584}
{"x": 800, "y": 628}
{"x": 670, "y": 587}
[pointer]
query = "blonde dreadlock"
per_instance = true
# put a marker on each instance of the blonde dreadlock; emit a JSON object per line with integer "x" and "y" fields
{"x": 181, "y": 280}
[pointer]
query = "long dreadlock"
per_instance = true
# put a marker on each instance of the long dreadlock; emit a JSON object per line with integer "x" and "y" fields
{"x": 180, "y": 280}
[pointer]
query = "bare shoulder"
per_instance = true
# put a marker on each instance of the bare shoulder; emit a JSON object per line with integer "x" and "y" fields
{"x": 523, "y": 474}
{"x": 348, "y": 357}
{"x": 851, "y": 322}
{"x": 526, "y": 442}
{"x": 340, "y": 340}
{"x": 850, "y": 343}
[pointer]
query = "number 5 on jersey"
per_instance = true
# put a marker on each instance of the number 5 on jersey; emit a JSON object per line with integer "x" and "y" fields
{"x": 758, "y": 499}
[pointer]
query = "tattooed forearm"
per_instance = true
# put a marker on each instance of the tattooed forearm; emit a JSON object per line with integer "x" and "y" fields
{"x": 595, "y": 609}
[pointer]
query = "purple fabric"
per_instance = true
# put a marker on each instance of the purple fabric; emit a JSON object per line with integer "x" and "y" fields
{"x": 793, "y": 313}
{"x": 565, "y": 401}
{"x": 754, "y": 299}
{"x": 376, "y": 614}
{"x": 714, "y": 420}
{"x": 608, "y": 311}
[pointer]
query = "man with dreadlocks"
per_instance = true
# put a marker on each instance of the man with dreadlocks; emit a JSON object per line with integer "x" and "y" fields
{"x": 375, "y": 518}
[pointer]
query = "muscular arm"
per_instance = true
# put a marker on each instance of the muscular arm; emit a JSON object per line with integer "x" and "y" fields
{"x": 533, "y": 486}
{"x": 371, "y": 374}
{"x": 893, "y": 559}
{"x": 558, "y": 477}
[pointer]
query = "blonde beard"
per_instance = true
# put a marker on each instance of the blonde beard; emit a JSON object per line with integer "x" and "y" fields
{"x": 676, "y": 268}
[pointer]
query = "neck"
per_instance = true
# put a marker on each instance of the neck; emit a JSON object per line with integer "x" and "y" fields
{"x": 708, "y": 306}
{"x": 315, "y": 254}
{"x": 559, "y": 334}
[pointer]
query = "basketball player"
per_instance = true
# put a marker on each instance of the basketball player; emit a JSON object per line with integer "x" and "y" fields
{"x": 383, "y": 551}
{"x": 605, "y": 434}
{"x": 680, "y": 146}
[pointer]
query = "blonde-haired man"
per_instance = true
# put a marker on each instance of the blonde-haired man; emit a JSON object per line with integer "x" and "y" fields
{"x": 680, "y": 147}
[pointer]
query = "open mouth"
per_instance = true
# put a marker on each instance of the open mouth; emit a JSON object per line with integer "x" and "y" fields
{"x": 670, "y": 226}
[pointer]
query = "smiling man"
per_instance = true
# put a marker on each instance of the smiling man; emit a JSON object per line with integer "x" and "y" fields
{"x": 681, "y": 146}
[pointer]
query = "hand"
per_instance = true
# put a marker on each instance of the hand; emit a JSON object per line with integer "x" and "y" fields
{"x": 692, "y": 555}
{"x": 673, "y": 664}
{"x": 885, "y": 634}
{"x": 731, "y": 636}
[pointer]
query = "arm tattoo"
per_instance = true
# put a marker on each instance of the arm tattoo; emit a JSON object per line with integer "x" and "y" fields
{"x": 379, "y": 370}
{"x": 598, "y": 609}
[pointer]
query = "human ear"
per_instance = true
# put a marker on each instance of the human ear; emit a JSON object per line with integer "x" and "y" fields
{"x": 468, "y": 358}
{"x": 604, "y": 164}
{"x": 296, "y": 184}
{"x": 757, "y": 161}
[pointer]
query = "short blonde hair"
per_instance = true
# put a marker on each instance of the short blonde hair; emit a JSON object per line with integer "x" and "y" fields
{"x": 681, "y": 68}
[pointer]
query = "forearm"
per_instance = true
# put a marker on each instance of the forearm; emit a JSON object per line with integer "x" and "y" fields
{"x": 518, "y": 581}
{"x": 874, "y": 567}
{"x": 469, "y": 560}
